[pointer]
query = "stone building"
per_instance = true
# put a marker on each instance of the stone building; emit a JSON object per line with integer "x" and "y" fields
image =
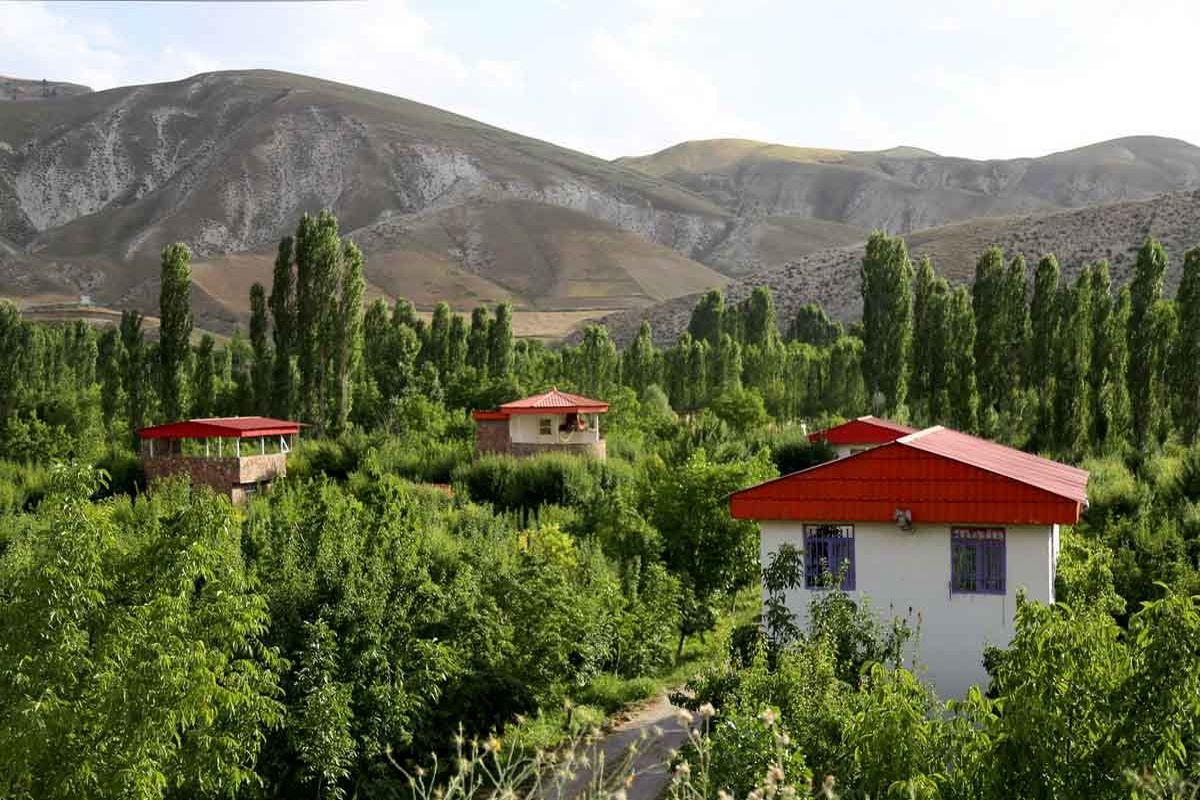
{"x": 236, "y": 456}
{"x": 553, "y": 422}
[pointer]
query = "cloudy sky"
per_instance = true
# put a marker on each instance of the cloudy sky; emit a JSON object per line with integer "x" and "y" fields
{"x": 981, "y": 79}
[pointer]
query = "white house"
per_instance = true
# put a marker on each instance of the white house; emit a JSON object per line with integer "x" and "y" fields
{"x": 860, "y": 434}
{"x": 937, "y": 526}
{"x": 553, "y": 421}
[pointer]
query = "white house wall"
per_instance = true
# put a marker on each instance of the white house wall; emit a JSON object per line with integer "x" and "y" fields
{"x": 908, "y": 575}
{"x": 523, "y": 428}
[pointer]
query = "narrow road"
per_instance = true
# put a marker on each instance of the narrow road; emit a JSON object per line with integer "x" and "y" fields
{"x": 654, "y": 727}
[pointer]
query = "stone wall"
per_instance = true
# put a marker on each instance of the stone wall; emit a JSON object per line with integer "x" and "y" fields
{"x": 491, "y": 436}
{"x": 226, "y": 475}
{"x": 592, "y": 449}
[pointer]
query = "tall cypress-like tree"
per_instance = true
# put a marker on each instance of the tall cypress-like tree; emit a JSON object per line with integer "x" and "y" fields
{"x": 639, "y": 363}
{"x": 1118, "y": 409}
{"x": 348, "y": 338}
{"x": 260, "y": 369}
{"x": 937, "y": 340}
{"x": 1016, "y": 327}
{"x": 477, "y": 341}
{"x": 708, "y": 318}
{"x": 500, "y": 343}
{"x": 1043, "y": 324}
{"x": 108, "y": 364}
{"x": 1187, "y": 350}
{"x": 134, "y": 369}
{"x": 1145, "y": 293}
{"x": 175, "y": 327}
{"x": 1098, "y": 367}
{"x": 456, "y": 346}
{"x": 924, "y": 330}
{"x": 283, "y": 312}
{"x": 1072, "y": 357}
{"x": 887, "y": 320}
{"x": 308, "y": 323}
{"x": 437, "y": 348}
{"x": 204, "y": 378}
{"x": 963, "y": 392}
{"x": 989, "y": 303}
{"x": 761, "y": 325}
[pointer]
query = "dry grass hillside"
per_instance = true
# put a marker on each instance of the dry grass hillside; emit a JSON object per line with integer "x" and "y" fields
{"x": 1112, "y": 231}
{"x": 93, "y": 186}
{"x": 21, "y": 89}
{"x": 903, "y": 189}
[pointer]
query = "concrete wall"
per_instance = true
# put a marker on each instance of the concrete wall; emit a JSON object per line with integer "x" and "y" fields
{"x": 518, "y": 436}
{"x": 908, "y": 575}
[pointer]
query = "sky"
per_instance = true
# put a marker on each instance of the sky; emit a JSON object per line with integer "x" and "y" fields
{"x": 972, "y": 78}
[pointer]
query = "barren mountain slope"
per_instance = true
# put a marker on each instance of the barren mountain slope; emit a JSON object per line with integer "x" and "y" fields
{"x": 21, "y": 89}
{"x": 907, "y": 189}
{"x": 92, "y": 187}
{"x": 831, "y": 277}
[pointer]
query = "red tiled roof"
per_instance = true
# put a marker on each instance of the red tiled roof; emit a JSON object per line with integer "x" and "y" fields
{"x": 554, "y": 400}
{"x": 221, "y": 427}
{"x": 939, "y": 475}
{"x": 864, "y": 430}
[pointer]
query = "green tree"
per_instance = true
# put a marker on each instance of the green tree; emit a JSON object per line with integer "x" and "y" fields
{"x": 320, "y": 733}
{"x": 1187, "y": 353}
{"x": 108, "y": 365}
{"x": 708, "y": 317}
{"x": 260, "y": 370}
{"x": 204, "y": 378}
{"x": 134, "y": 371}
{"x": 477, "y": 341}
{"x": 1099, "y": 364}
{"x": 812, "y": 325}
{"x": 1145, "y": 294}
{"x": 887, "y": 321}
{"x": 283, "y": 313}
{"x": 500, "y": 343}
{"x": 1072, "y": 359}
{"x": 175, "y": 328}
{"x": 640, "y": 363}
{"x": 1043, "y": 313}
{"x": 348, "y": 335}
{"x": 991, "y": 340}
{"x": 924, "y": 333}
{"x": 964, "y": 398}
{"x": 760, "y": 324}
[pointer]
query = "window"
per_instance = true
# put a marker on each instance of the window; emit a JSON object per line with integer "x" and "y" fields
{"x": 545, "y": 426}
{"x": 828, "y": 551}
{"x": 977, "y": 561}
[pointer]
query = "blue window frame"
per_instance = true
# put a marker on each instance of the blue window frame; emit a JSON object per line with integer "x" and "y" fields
{"x": 978, "y": 561}
{"x": 828, "y": 551}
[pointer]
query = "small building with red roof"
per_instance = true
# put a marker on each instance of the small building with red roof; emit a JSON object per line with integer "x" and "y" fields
{"x": 236, "y": 456}
{"x": 935, "y": 526}
{"x": 553, "y": 421}
{"x": 860, "y": 434}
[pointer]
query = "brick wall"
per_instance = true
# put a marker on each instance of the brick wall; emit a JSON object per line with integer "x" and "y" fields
{"x": 491, "y": 436}
{"x": 225, "y": 475}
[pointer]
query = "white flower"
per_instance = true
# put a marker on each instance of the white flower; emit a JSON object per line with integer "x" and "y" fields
{"x": 767, "y": 716}
{"x": 706, "y": 711}
{"x": 684, "y": 717}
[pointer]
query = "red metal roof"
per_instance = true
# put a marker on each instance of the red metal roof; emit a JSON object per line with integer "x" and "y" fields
{"x": 939, "y": 475}
{"x": 864, "y": 430}
{"x": 556, "y": 401}
{"x": 221, "y": 428}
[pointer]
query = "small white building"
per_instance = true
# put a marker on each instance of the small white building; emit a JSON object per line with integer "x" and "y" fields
{"x": 860, "y": 434}
{"x": 937, "y": 526}
{"x": 553, "y": 421}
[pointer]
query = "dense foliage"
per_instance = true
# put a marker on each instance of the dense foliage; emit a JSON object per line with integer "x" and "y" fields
{"x": 352, "y": 619}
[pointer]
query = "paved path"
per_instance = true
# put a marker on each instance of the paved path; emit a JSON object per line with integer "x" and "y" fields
{"x": 656, "y": 721}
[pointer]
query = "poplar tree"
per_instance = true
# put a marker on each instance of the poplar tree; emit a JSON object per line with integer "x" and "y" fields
{"x": 1145, "y": 293}
{"x": 1187, "y": 351}
{"x": 283, "y": 313}
{"x": 134, "y": 370}
{"x": 887, "y": 320}
{"x": 761, "y": 326}
{"x": 1099, "y": 366}
{"x": 308, "y": 323}
{"x": 348, "y": 335}
{"x": 260, "y": 369}
{"x": 456, "y": 346}
{"x": 639, "y": 363}
{"x": 203, "y": 378}
{"x": 175, "y": 327}
{"x": 988, "y": 300}
{"x": 1043, "y": 324}
{"x": 1118, "y": 409}
{"x": 708, "y": 317}
{"x": 477, "y": 341}
{"x": 1016, "y": 327}
{"x": 437, "y": 348}
{"x": 812, "y": 325}
{"x": 921, "y": 357}
{"x": 964, "y": 395}
{"x": 1072, "y": 357}
{"x": 938, "y": 358}
{"x": 500, "y": 343}
{"x": 725, "y": 366}
{"x": 596, "y": 371}
{"x": 108, "y": 364}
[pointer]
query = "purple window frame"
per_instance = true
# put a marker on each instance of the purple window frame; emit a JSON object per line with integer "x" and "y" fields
{"x": 826, "y": 548}
{"x": 978, "y": 561}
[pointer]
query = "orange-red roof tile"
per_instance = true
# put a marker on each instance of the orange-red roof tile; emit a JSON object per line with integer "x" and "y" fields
{"x": 864, "y": 430}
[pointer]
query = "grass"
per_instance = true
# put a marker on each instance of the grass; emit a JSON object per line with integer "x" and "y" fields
{"x": 596, "y": 705}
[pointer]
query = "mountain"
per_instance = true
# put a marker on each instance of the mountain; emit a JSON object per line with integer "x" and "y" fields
{"x": 1112, "y": 232}
{"x": 20, "y": 89}
{"x": 901, "y": 190}
{"x": 92, "y": 187}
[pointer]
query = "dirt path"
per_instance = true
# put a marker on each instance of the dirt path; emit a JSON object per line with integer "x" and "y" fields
{"x": 656, "y": 721}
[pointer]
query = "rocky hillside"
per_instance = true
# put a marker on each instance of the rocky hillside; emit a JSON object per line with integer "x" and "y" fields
{"x": 1111, "y": 231}
{"x": 20, "y": 89}
{"x": 93, "y": 186}
{"x": 903, "y": 189}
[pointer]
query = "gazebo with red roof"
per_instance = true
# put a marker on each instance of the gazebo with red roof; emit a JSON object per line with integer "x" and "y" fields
{"x": 939, "y": 527}
{"x": 256, "y": 452}
{"x": 553, "y": 421}
{"x": 860, "y": 434}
